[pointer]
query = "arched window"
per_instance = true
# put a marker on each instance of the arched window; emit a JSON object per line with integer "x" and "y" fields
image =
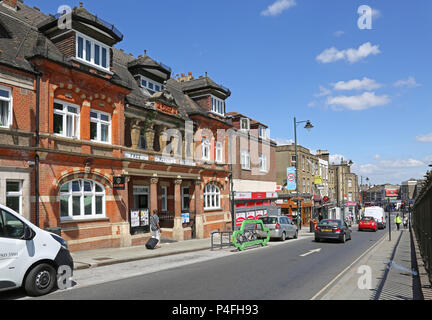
{"x": 212, "y": 197}
{"x": 82, "y": 199}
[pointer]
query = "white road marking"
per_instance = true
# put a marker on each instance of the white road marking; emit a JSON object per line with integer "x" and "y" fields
{"x": 310, "y": 252}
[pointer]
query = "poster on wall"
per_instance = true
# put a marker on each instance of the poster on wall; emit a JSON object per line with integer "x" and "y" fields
{"x": 135, "y": 218}
{"x": 251, "y": 215}
{"x": 240, "y": 217}
{"x": 185, "y": 217}
{"x": 259, "y": 214}
{"x": 144, "y": 217}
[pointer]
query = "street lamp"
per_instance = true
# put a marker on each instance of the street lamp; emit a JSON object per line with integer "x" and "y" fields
{"x": 308, "y": 127}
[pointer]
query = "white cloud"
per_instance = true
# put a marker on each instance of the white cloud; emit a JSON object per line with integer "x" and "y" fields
{"x": 364, "y": 84}
{"x": 339, "y": 33}
{"x": 278, "y": 7}
{"x": 283, "y": 141}
{"x": 323, "y": 92}
{"x": 351, "y": 55}
{"x": 377, "y": 157}
{"x": 409, "y": 83}
{"x": 424, "y": 138}
{"x": 362, "y": 102}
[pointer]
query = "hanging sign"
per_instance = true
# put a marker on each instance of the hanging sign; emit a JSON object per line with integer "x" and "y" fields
{"x": 119, "y": 183}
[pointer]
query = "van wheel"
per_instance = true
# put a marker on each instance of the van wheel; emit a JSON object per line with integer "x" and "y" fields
{"x": 40, "y": 280}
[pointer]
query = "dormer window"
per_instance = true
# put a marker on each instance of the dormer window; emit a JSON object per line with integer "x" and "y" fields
{"x": 244, "y": 124}
{"x": 217, "y": 106}
{"x": 262, "y": 132}
{"x": 92, "y": 52}
{"x": 150, "y": 85}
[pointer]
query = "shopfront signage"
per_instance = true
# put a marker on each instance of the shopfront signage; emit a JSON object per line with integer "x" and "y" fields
{"x": 167, "y": 160}
{"x": 392, "y": 193}
{"x": 136, "y": 156}
{"x": 255, "y": 195}
{"x": 188, "y": 163}
{"x": 317, "y": 180}
{"x": 119, "y": 183}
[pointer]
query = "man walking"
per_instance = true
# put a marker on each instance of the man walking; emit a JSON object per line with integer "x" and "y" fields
{"x": 398, "y": 221}
{"x": 155, "y": 227}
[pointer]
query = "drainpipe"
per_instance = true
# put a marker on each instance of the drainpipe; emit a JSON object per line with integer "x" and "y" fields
{"x": 38, "y": 77}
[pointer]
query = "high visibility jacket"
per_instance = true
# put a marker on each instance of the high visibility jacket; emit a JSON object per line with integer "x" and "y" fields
{"x": 398, "y": 220}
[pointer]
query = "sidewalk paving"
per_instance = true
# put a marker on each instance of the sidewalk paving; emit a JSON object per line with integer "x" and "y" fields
{"x": 395, "y": 273}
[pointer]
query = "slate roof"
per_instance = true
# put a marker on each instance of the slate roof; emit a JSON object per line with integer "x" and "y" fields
{"x": 26, "y": 41}
{"x": 203, "y": 82}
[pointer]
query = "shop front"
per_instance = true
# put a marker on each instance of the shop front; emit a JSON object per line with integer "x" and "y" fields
{"x": 289, "y": 208}
{"x": 254, "y": 205}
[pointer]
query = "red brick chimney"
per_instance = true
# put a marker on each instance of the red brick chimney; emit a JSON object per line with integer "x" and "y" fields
{"x": 11, "y": 3}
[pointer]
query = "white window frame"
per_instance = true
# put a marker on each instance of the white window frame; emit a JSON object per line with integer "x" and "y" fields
{"x": 212, "y": 197}
{"x": 164, "y": 199}
{"x": 93, "y": 43}
{"x": 241, "y": 124}
{"x": 15, "y": 194}
{"x": 350, "y": 183}
{"x": 148, "y": 82}
{"x": 245, "y": 159}
{"x": 205, "y": 149}
{"x": 64, "y": 113}
{"x": 217, "y": 106}
{"x": 263, "y": 162}
{"x": 218, "y": 152}
{"x": 262, "y": 132}
{"x": 70, "y": 194}
{"x": 184, "y": 196}
{"x": 10, "y": 104}
{"x": 99, "y": 122}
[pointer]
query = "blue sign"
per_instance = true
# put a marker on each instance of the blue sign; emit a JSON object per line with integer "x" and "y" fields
{"x": 291, "y": 178}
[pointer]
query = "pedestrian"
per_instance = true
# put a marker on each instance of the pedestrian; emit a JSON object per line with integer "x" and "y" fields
{"x": 398, "y": 221}
{"x": 155, "y": 227}
{"x": 320, "y": 217}
{"x": 405, "y": 222}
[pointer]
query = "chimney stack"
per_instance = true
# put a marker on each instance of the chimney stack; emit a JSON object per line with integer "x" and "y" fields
{"x": 10, "y": 3}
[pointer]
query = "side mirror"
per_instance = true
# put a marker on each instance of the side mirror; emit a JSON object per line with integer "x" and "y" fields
{"x": 29, "y": 234}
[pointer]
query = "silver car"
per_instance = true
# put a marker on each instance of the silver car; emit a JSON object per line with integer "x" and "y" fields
{"x": 281, "y": 227}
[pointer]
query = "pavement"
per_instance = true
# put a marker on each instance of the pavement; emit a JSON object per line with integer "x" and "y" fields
{"x": 390, "y": 270}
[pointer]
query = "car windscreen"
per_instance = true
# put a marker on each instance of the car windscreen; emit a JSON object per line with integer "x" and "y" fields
{"x": 269, "y": 220}
{"x": 368, "y": 219}
{"x": 331, "y": 223}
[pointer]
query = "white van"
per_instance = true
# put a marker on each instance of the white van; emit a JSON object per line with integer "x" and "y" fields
{"x": 379, "y": 214}
{"x": 30, "y": 257}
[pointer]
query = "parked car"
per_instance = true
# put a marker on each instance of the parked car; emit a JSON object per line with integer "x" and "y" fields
{"x": 30, "y": 257}
{"x": 368, "y": 223}
{"x": 378, "y": 214}
{"x": 332, "y": 230}
{"x": 280, "y": 227}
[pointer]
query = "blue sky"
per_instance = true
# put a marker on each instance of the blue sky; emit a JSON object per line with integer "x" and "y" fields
{"x": 367, "y": 92}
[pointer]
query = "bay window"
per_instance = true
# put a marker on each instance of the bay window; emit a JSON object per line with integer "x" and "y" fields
{"x": 217, "y": 106}
{"x": 92, "y": 51}
{"x": 151, "y": 86}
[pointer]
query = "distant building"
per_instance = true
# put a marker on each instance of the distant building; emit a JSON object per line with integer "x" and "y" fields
{"x": 407, "y": 190}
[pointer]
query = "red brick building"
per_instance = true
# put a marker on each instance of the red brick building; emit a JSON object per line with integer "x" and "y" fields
{"x": 92, "y": 138}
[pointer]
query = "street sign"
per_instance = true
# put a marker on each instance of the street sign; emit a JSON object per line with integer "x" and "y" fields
{"x": 119, "y": 183}
{"x": 291, "y": 179}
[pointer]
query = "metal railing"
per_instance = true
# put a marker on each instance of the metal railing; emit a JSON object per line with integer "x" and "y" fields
{"x": 421, "y": 221}
{"x": 225, "y": 239}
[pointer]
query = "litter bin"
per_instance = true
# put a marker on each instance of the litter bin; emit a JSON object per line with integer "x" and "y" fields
{"x": 56, "y": 231}
{"x": 313, "y": 224}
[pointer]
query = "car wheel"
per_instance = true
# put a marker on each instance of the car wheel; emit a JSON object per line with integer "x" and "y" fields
{"x": 296, "y": 234}
{"x": 343, "y": 240}
{"x": 283, "y": 238}
{"x": 317, "y": 240}
{"x": 40, "y": 280}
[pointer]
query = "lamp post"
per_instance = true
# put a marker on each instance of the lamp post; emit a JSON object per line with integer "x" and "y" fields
{"x": 308, "y": 127}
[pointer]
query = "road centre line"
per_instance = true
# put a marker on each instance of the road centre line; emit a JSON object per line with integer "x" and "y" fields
{"x": 347, "y": 268}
